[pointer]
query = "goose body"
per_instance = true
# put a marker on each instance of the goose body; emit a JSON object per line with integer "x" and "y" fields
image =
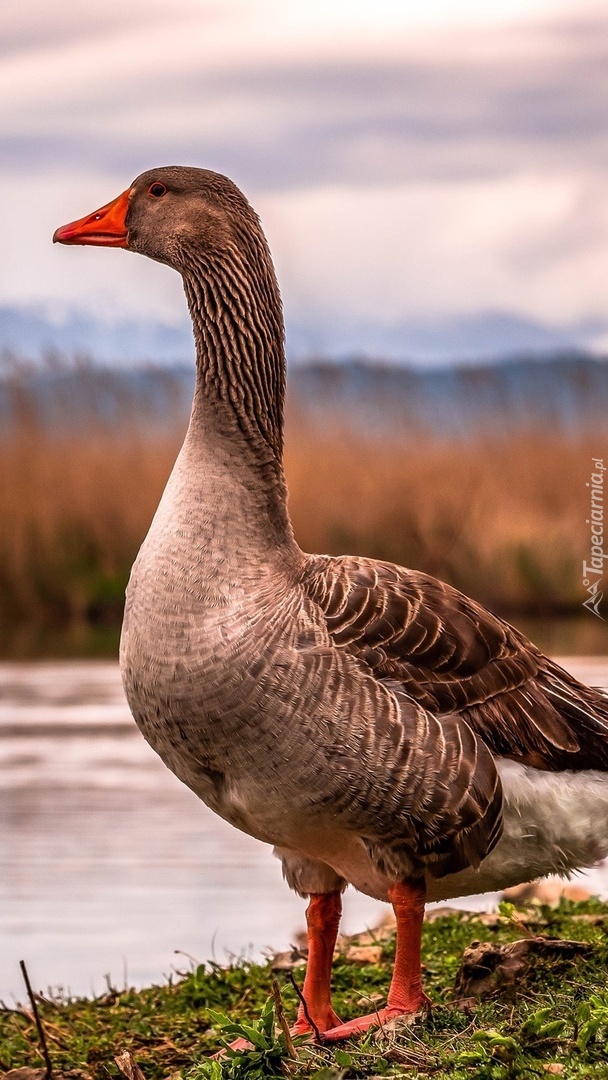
{"x": 242, "y": 664}
{"x": 374, "y": 725}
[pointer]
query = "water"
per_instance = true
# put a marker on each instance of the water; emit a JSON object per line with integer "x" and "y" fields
{"x": 108, "y": 864}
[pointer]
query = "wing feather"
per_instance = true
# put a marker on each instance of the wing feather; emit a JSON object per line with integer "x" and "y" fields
{"x": 454, "y": 658}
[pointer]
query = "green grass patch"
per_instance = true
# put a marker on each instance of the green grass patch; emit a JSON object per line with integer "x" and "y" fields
{"x": 553, "y": 1022}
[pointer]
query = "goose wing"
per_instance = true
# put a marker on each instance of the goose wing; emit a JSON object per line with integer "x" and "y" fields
{"x": 421, "y": 790}
{"x": 453, "y": 657}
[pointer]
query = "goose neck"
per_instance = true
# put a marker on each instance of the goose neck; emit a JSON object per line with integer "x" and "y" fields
{"x": 237, "y": 415}
{"x": 238, "y": 330}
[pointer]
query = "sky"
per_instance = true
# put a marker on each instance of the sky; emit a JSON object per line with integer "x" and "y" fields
{"x": 432, "y": 177}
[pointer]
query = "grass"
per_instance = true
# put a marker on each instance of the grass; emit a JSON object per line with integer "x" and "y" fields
{"x": 499, "y": 515}
{"x": 555, "y": 1021}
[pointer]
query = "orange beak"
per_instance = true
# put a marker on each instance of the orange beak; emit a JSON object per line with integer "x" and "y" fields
{"x": 104, "y": 228}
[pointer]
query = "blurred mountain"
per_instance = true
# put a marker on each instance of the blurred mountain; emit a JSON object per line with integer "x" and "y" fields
{"x": 569, "y": 391}
{"x": 563, "y": 391}
{"x": 32, "y": 334}
{"x": 482, "y": 337}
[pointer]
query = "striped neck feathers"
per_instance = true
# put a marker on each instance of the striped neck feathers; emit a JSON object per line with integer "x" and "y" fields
{"x": 235, "y": 306}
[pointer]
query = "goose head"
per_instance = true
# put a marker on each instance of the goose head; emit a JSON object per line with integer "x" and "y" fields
{"x": 199, "y": 223}
{"x": 169, "y": 214}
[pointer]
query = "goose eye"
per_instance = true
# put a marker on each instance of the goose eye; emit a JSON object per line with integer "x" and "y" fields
{"x": 157, "y": 190}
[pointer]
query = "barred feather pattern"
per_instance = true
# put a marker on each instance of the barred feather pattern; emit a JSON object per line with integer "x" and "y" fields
{"x": 236, "y": 314}
{"x": 452, "y": 656}
{"x": 324, "y": 705}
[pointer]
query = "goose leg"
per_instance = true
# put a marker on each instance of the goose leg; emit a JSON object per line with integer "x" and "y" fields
{"x": 323, "y": 919}
{"x": 405, "y": 996}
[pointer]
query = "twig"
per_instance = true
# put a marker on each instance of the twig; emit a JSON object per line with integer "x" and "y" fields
{"x": 309, "y": 1018}
{"x": 282, "y": 1022}
{"x": 17, "y": 1012}
{"x": 182, "y": 952}
{"x": 128, "y": 1066}
{"x": 47, "y": 1001}
{"x": 38, "y": 1022}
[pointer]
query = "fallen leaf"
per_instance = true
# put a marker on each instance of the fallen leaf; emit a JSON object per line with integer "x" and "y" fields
{"x": 128, "y": 1066}
{"x": 24, "y": 1073}
{"x": 487, "y": 967}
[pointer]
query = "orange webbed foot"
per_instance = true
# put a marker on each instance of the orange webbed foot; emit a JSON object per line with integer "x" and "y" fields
{"x": 323, "y": 1022}
{"x": 377, "y": 1019}
{"x": 237, "y": 1044}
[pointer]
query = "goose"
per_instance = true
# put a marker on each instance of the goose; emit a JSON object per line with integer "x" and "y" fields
{"x": 374, "y": 725}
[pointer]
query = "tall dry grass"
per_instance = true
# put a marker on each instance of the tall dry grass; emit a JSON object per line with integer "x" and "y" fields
{"x": 82, "y": 466}
{"x": 502, "y": 518}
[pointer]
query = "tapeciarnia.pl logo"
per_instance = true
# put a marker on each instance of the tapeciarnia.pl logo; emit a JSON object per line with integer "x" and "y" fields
{"x": 593, "y": 571}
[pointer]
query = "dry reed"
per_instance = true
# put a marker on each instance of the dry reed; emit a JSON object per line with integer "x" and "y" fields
{"x": 502, "y": 518}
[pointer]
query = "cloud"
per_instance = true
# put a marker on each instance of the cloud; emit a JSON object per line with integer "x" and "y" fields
{"x": 35, "y": 26}
{"x": 524, "y": 243}
{"x": 482, "y": 103}
{"x": 405, "y": 164}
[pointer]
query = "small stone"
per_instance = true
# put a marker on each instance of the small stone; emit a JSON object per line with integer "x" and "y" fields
{"x": 286, "y": 961}
{"x": 364, "y": 954}
{"x": 381, "y": 932}
{"x": 548, "y": 891}
{"x": 445, "y": 912}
